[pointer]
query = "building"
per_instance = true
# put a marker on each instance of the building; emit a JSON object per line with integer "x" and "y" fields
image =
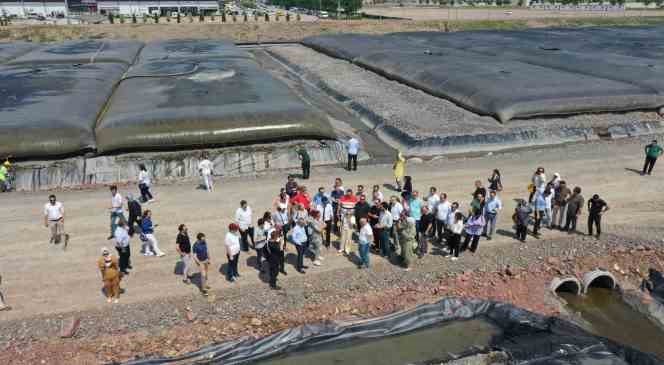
{"x": 27, "y": 8}
{"x": 161, "y": 7}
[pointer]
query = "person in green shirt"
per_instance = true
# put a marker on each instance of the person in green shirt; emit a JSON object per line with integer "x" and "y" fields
{"x": 3, "y": 176}
{"x": 306, "y": 162}
{"x": 653, "y": 150}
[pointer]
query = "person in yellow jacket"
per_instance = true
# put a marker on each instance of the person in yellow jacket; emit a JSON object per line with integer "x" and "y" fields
{"x": 4, "y": 178}
{"x": 399, "y": 169}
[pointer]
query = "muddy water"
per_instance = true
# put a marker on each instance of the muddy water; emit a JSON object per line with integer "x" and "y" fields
{"x": 610, "y": 317}
{"x": 432, "y": 343}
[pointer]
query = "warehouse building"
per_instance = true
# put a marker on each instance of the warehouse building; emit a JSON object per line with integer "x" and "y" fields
{"x": 159, "y": 7}
{"x": 26, "y": 8}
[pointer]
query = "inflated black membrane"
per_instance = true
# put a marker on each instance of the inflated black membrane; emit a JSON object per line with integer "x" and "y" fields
{"x": 519, "y": 74}
{"x": 51, "y": 110}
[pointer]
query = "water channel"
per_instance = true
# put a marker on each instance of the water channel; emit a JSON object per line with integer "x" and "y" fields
{"x": 608, "y": 316}
{"x": 419, "y": 346}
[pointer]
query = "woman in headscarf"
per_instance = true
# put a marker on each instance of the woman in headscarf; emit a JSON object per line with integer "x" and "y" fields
{"x": 406, "y": 229}
{"x": 110, "y": 275}
{"x": 399, "y": 169}
{"x": 315, "y": 232}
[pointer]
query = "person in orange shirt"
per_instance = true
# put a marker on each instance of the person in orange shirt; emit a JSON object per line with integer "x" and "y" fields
{"x": 110, "y": 275}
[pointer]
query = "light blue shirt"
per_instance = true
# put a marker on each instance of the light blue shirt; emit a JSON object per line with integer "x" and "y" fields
{"x": 493, "y": 205}
{"x": 299, "y": 236}
{"x": 318, "y": 199}
{"x": 415, "y": 206}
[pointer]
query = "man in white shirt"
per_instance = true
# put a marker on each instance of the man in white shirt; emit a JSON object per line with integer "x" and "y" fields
{"x": 54, "y": 219}
{"x": 206, "y": 168}
{"x": 328, "y": 218}
{"x": 385, "y": 223}
{"x": 353, "y": 147}
{"x": 299, "y": 239}
{"x": 232, "y": 244}
{"x": 244, "y": 220}
{"x": 122, "y": 245}
{"x": 396, "y": 208}
{"x": 117, "y": 214}
{"x": 442, "y": 213}
{"x": 365, "y": 238}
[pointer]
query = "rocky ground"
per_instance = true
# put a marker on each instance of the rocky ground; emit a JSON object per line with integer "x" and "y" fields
{"x": 159, "y": 316}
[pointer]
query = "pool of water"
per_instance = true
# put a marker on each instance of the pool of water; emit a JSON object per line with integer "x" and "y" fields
{"x": 610, "y": 317}
{"x": 419, "y": 346}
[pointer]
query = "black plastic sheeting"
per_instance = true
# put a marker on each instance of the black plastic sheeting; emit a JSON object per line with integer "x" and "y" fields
{"x": 51, "y": 110}
{"x": 83, "y": 51}
{"x": 526, "y": 337}
{"x": 655, "y": 285}
{"x": 177, "y": 103}
{"x": 191, "y": 49}
{"x": 9, "y": 51}
{"x": 519, "y": 74}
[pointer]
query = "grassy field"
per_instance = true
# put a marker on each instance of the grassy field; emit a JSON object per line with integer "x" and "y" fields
{"x": 293, "y": 31}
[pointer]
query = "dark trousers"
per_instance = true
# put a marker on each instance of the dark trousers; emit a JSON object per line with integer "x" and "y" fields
{"x": 595, "y": 219}
{"x": 145, "y": 192}
{"x": 282, "y": 262}
{"x": 306, "y": 169}
{"x": 352, "y": 162}
{"x": 328, "y": 231}
{"x": 649, "y": 164}
{"x": 474, "y": 241}
{"x": 124, "y": 254}
{"x": 570, "y": 223}
{"x": 232, "y": 266}
{"x": 440, "y": 229}
{"x": 538, "y": 221}
{"x": 244, "y": 238}
{"x": 300, "y": 257}
{"x": 274, "y": 272}
{"x": 384, "y": 240}
{"x": 335, "y": 207}
{"x": 521, "y": 232}
{"x": 454, "y": 243}
{"x": 260, "y": 254}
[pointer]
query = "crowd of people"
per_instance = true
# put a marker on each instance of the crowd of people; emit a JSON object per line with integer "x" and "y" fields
{"x": 354, "y": 222}
{"x": 399, "y": 227}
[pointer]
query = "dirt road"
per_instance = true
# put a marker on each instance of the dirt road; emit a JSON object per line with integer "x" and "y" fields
{"x": 40, "y": 278}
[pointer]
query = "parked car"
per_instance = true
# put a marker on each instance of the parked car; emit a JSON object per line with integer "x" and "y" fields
{"x": 323, "y": 14}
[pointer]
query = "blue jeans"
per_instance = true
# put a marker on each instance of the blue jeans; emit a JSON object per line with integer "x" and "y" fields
{"x": 364, "y": 254}
{"x": 115, "y": 216}
{"x": 384, "y": 240}
{"x": 490, "y": 225}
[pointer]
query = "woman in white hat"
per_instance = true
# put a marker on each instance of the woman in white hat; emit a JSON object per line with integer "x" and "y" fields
{"x": 110, "y": 275}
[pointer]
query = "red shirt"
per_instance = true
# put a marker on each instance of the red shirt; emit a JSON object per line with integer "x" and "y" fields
{"x": 348, "y": 201}
{"x": 302, "y": 199}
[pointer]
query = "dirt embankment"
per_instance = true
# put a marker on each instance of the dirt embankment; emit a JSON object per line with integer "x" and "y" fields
{"x": 282, "y": 31}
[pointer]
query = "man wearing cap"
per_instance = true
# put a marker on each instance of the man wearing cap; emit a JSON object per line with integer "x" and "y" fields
{"x": 596, "y": 207}
{"x": 653, "y": 150}
{"x": 54, "y": 219}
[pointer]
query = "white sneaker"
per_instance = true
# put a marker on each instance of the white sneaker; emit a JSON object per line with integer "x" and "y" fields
{"x": 116, "y": 301}
{"x": 454, "y": 258}
{"x": 317, "y": 263}
{"x": 322, "y": 258}
{"x": 108, "y": 300}
{"x": 152, "y": 200}
{"x": 161, "y": 254}
{"x": 148, "y": 254}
